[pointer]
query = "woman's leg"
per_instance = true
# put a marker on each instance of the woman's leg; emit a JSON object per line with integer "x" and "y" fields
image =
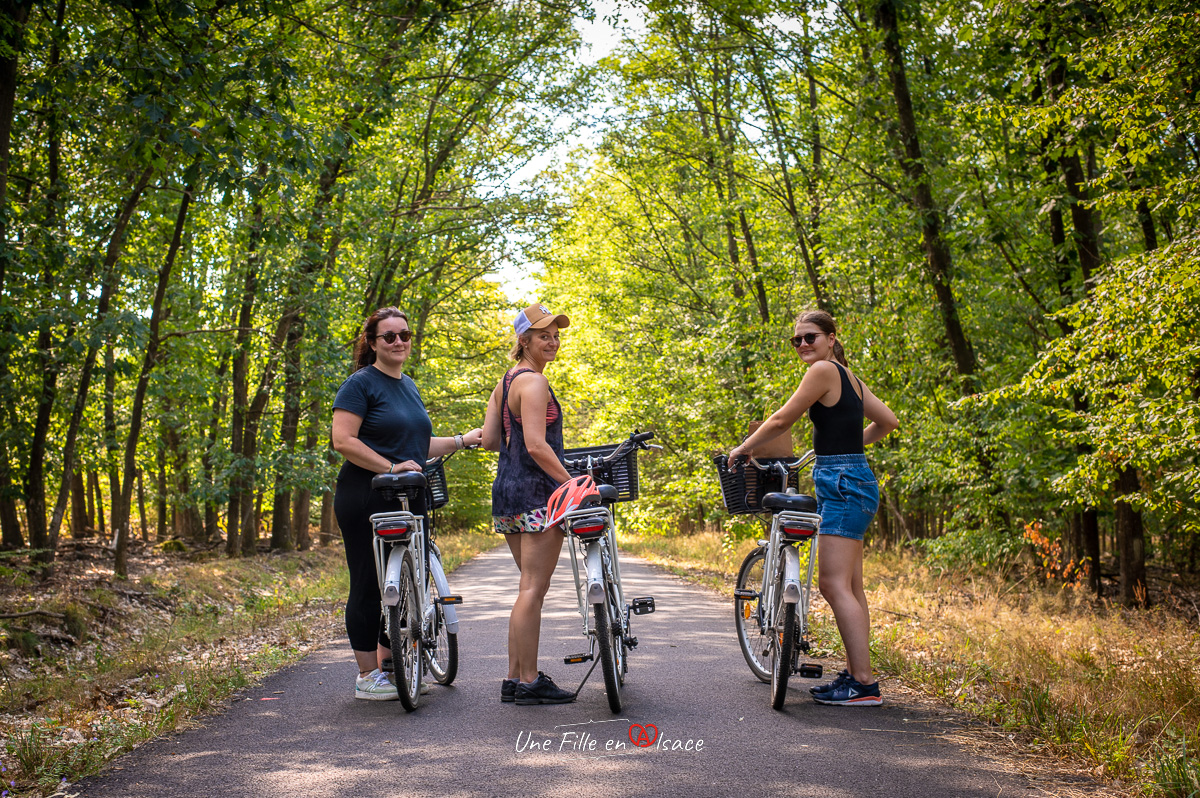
{"x": 539, "y": 556}
{"x": 840, "y": 564}
{"x": 514, "y": 669}
{"x": 351, "y": 506}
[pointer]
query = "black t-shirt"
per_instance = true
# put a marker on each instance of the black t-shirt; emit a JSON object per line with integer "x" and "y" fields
{"x": 394, "y": 421}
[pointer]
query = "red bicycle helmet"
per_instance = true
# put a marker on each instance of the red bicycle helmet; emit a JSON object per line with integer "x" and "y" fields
{"x": 571, "y": 495}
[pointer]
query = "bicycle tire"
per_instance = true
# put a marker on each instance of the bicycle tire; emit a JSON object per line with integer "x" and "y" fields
{"x": 404, "y": 624}
{"x": 753, "y": 638}
{"x": 442, "y": 653}
{"x": 607, "y": 641}
{"x": 784, "y": 640}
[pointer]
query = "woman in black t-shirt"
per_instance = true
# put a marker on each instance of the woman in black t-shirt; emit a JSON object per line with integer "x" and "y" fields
{"x": 379, "y": 426}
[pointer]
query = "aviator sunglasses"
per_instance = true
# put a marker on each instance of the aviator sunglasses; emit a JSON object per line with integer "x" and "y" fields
{"x": 807, "y": 338}
{"x": 391, "y": 335}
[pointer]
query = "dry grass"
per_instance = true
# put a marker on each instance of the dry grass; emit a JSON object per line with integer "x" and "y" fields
{"x": 1103, "y": 689}
{"x": 131, "y": 660}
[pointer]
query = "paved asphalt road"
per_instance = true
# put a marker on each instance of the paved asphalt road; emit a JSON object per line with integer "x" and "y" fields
{"x": 302, "y": 733}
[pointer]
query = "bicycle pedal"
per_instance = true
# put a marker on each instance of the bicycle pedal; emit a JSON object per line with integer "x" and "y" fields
{"x": 386, "y": 666}
{"x": 811, "y": 670}
{"x": 643, "y": 605}
{"x": 449, "y": 600}
{"x": 575, "y": 659}
{"x": 746, "y": 595}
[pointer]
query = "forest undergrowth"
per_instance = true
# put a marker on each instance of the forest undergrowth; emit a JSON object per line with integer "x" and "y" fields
{"x": 1103, "y": 689}
{"x": 92, "y": 666}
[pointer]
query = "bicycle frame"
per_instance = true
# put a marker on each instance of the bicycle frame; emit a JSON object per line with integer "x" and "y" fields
{"x": 594, "y": 554}
{"x": 781, "y": 566}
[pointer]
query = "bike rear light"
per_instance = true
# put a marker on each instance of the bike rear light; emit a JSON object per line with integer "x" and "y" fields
{"x": 798, "y": 531}
{"x": 394, "y": 529}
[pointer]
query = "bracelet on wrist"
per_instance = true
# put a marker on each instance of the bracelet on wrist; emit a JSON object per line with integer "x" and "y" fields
{"x": 458, "y": 441}
{"x": 391, "y": 467}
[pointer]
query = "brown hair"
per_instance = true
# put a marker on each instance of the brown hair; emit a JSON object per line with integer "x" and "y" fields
{"x": 826, "y": 324}
{"x": 518, "y": 348}
{"x": 364, "y": 355}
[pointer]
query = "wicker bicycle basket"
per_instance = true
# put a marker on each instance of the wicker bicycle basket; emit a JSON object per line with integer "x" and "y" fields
{"x": 620, "y": 473}
{"x": 744, "y": 486}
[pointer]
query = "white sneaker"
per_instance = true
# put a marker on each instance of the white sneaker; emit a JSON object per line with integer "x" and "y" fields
{"x": 375, "y": 686}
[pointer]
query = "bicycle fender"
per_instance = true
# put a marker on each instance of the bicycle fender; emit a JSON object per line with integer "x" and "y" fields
{"x": 450, "y": 613}
{"x": 391, "y": 579}
{"x": 595, "y": 574}
{"x": 791, "y": 575}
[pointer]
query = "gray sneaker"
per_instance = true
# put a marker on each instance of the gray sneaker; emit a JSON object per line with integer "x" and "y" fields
{"x": 375, "y": 686}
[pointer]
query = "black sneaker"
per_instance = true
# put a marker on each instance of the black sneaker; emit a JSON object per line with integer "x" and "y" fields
{"x": 542, "y": 690}
{"x": 851, "y": 694}
{"x": 825, "y": 688}
{"x": 508, "y": 690}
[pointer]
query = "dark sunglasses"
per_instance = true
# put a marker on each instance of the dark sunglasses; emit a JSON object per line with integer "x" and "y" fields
{"x": 807, "y": 338}
{"x": 391, "y": 335}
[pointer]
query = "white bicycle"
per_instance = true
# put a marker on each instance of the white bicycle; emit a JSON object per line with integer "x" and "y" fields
{"x": 418, "y": 607}
{"x": 774, "y": 585}
{"x": 592, "y": 541}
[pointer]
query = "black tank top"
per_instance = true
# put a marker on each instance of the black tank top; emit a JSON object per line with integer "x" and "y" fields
{"x": 521, "y": 485}
{"x": 839, "y": 429}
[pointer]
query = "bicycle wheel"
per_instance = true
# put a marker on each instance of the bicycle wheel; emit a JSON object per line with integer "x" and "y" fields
{"x": 783, "y": 642}
{"x": 404, "y": 632}
{"x": 441, "y": 651}
{"x": 609, "y": 642}
{"x": 749, "y": 618}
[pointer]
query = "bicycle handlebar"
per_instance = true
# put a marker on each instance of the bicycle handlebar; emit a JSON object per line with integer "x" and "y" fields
{"x": 444, "y": 457}
{"x": 591, "y": 461}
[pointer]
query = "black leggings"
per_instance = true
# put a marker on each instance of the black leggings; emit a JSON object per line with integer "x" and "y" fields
{"x": 354, "y": 503}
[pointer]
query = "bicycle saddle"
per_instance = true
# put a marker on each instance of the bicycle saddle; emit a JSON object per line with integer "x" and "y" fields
{"x": 796, "y": 502}
{"x": 608, "y": 493}
{"x": 405, "y": 480}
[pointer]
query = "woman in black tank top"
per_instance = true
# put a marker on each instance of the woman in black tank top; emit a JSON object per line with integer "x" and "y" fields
{"x": 847, "y": 493}
{"x": 524, "y": 424}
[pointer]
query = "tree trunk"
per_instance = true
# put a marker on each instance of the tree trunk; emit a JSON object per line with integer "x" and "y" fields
{"x": 327, "y": 520}
{"x": 940, "y": 265}
{"x": 160, "y": 501}
{"x": 212, "y": 530}
{"x": 80, "y": 520}
{"x": 282, "y": 537}
{"x": 13, "y": 15}
{"x": 141, "y": 497}
{"x": 1131, "y": 539}
{"x": 122, "y": 505}
{"x": 94, "y": 478}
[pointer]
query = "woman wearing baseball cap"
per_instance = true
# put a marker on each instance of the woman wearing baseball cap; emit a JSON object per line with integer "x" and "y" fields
{"x": 524, "y": 424}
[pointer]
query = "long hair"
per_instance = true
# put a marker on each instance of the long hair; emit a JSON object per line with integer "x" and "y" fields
{"x": 364, "y": 355}
{"x": 825, "y": 322}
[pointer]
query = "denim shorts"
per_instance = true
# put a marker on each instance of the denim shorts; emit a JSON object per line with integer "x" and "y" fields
{"x": 847, "y": 494}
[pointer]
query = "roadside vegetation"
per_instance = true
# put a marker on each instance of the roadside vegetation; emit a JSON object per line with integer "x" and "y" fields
{"x": 1112, "y": 690}
{"x": 91, "y": 666}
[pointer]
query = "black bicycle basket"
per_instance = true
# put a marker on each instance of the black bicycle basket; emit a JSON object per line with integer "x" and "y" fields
{"x": 620, "y": 473}
{"x": 743, "y": 486}
{"x": 435, "y": 479}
